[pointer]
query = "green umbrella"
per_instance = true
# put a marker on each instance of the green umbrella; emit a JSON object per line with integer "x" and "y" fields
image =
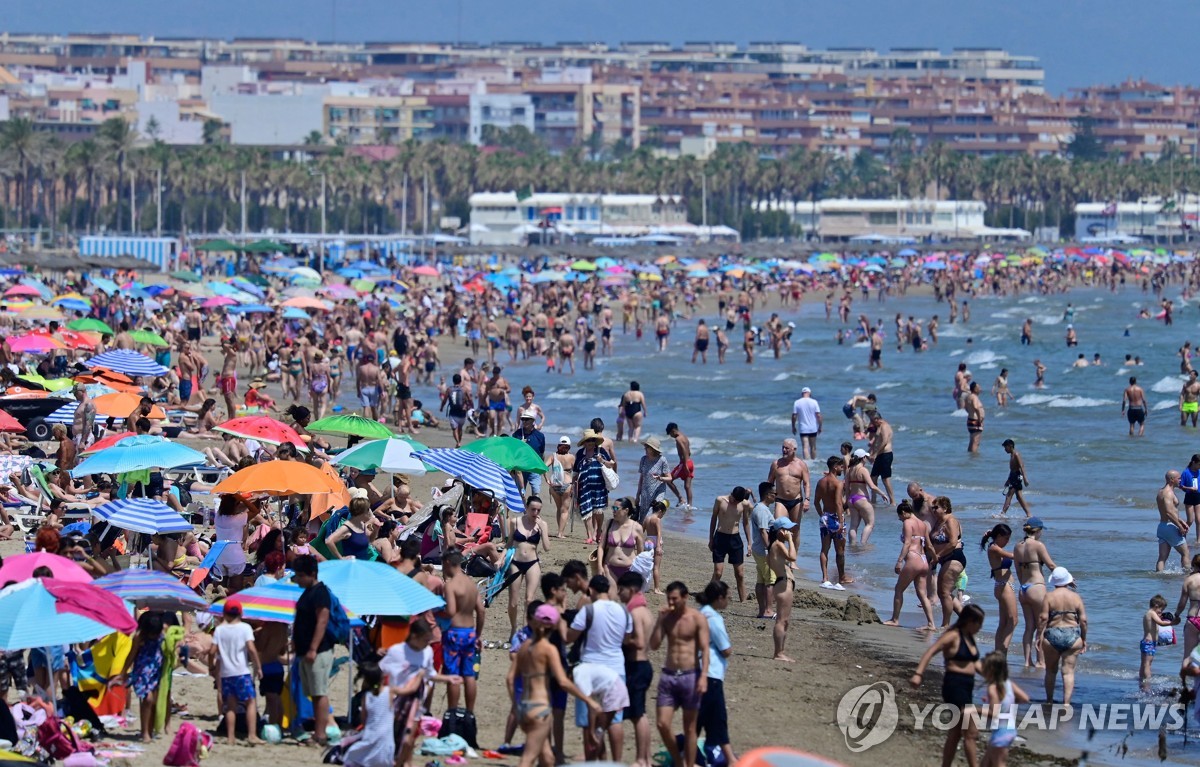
{"x": 217, "y": 245}
{"x": 510, "y": 452}
{"x": 186, "y": 276}
{"x": 90, "y": 323}
{"x": 352, "y": 425}
{"x": 148, "y": 337}
{"x": 584, "y": 266}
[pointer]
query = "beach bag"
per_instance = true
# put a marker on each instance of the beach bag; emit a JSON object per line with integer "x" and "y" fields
{"x": 611, "y": 480}
{"x": 58, "y": 739}
{"x": 189, "y": 747}
{"x": 338, "y": 627}
{"x": 557, "y": 477}
{"x": 460, "y": 722}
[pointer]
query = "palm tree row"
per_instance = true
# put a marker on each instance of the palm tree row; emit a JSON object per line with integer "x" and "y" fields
{"x": 107, "y": 182}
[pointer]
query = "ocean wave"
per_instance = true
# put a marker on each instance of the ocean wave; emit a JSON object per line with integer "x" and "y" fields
{"x": 778, "y": 420}
{"x": 1063, "y": 400}
{"x": 982, "y": 356}
{"x": 567, "y": 394}
{"x": 699, "y": 444}
{"x": 1167, "y": 385}
{"x": 721, "y": 415}
{"x": 782, "y": 377}
{"x": 988, "y": 366}
{"x": 887, "y": 385}
{"x": 1048, "y": 319}
{"x": 1166, "y": 404}
{"x": 960, "y": 413}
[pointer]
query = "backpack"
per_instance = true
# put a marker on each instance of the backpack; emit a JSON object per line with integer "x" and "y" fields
{"x": 460, "y": 722}
{"x": 58, "y": 739}
{"x": 575, "y": 654}
{"x": 338, "y": 627}
{"x": 189, "y": 746}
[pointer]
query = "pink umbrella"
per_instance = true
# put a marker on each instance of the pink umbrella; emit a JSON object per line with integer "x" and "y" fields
{"x": 34, "y": 342}
{"x": 216, "y": 301}
{"x": 618, "y": 269}
{"x": 90, "y": 601}
{"x": 340, "y": 292}
{"x": 424, "y": 270}
{"x": 22, "y": 290}
{"x": 21, "y": 566}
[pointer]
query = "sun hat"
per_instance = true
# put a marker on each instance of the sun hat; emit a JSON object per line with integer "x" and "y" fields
{"x": 1060, "y": 577}
{"x": 590, "y": 435}
{"x": 653, "y": 443}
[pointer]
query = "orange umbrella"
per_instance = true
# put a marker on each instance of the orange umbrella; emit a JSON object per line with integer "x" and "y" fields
{"x": 10, "y": 424}
{"x": 264, "y": 429}
{"x": 120, "y": 404}
{"x": 321, "y": 504}
{"x": 280, "y": 478}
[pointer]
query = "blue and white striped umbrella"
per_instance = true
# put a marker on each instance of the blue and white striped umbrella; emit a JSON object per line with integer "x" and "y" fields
{"x": 478, "y": 471}
{"x": 64, "y": 415}
{"x": 137, "y": 454}
{"x": 152, "y": 590}
{"x": 128, "y": 362}
{"x": 142, "y": 515}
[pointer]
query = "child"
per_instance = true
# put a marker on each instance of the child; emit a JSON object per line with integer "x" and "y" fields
{"x": 654, "y": 537}
{"x": 1003, "y": 695}
{"x": 1152, "y": 623}
{"x": 376, "y": 745}
{"x": 238, "y": 662}
{"x": 408, "y": 667}
{"x": 301, "y": 547}
{"x": 146, "y": 659}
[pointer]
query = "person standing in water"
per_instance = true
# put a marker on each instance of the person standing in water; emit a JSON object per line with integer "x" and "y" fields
{"x": 1017, "y": 478}
{"x": 1172, "y": 531}
{"x": 1133, "y": 407}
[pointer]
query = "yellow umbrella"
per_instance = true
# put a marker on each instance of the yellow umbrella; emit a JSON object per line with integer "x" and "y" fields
{"x": 649, "y": 277}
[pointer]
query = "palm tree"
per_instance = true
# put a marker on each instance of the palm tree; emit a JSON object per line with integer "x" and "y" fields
{"x": 117, "y": 138}
{"x": 19, "y": 145}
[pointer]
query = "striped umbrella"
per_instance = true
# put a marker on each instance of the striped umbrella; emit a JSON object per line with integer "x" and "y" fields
{"x": 64, "y": 415}
{"x": 373, "y": 588}
{"x": 275, "y": 602}
{"x": 30, "y": 616}
{"x": 137, "y": 454}
{"x": 152, "y": 590}
{"x": 478, "y": 471}
{"x": 142, "y": 515}
{"x": 128, "y": 362}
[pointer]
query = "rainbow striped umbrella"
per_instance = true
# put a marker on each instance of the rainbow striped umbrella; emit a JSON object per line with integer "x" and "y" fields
{"x": 152, "y": 589}
{"x": 273, "y": 602}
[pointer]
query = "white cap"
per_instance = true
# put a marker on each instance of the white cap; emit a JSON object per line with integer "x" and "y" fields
{"x": 806, "y": 390}
{"x": 860, "y": 453}
{"x": 564, "y": 440}
{"x": 528, "y": 414}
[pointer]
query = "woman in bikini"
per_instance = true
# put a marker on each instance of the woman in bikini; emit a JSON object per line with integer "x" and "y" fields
{"x": 623, "y": 540}
{"x": 1189, "y": 600}
{"x": 947, "y": 542}
{"x": 1029, "y": 557}
{"x": 961, "y": 655}
{"x": 858, "y": 488}
{"x": 205, "y": 421}
{"x": 1001, "y": 562}
{"x": 781, "y": 555}
{"x": 525, "y": 533}
{"x": 537, "y": 662}
{"x": 1064, "y": 632}
{"x": 912, "y": 565}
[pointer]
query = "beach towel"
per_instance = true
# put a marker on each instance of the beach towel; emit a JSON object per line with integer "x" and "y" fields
{"x": 172, "y": 636}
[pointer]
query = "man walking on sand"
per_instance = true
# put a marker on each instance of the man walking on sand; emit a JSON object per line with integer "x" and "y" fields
{"x": 461, "y": 642}
{"x": 831, "y": 515}
{"x": 724, "y": 539}
{"x": 1017, "y": 478}
{"x": 684, "y": 675}
{"x": 790, "y": 476}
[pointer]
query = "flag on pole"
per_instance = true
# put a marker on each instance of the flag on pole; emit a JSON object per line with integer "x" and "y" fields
{"x": 1167, "y": 207}
{"x": 524, "y": 193}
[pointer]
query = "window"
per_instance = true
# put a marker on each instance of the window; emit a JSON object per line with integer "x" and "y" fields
{"x": 877, "y": 218}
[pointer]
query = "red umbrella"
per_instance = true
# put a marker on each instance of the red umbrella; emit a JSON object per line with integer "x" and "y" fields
{"x": 9, "y": 424}
{"x": 264, "y": 429}
{"x": 107, "y": 442}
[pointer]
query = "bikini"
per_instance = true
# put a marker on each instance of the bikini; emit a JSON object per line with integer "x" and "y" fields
{"x": 1035, "y": 563}
{"x": 1005, "y": 564}
{"x": 956, "y": 555}
{"x": 1062, "y": 638}
{"x": 958, "y": 687}
{"x": 533, "y": 539}
{"x": 532, "y": 709}
{"x": 629, "y": 543}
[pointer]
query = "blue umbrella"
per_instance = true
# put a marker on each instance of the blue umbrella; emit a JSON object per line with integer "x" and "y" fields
{"x": 373, "y": 588}
{"x": 73, "y": 305}
{"x": 152, "y": 590}
{"x": 251, "y": 309}
{"x": 351, "y": 273}
{"x": 105, "y": 284}
{"x": 142, "y": 515}
{"x": 478, "y": 471}
{"x": 64, "y": 415}
{"x": 935, "y": 266}
{"x": 907, "y": 252}
{"x": 245, "y": 285}
{"x": 40, "y": 286}
{"x": 127, "y": 362}
{"x": 29, "y": 617}
{"x": 137, "y": 454}
{"x": 295, "y": 313}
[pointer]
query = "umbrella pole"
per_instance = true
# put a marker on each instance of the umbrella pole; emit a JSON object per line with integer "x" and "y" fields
{"x": 350, "y": 682}
{"x": 50, "y": 669}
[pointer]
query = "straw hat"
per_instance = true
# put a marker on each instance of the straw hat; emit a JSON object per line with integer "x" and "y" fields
{"x": 258, "y": 383}
{"x": 653, "y": 443}
{"x": 589, "y": 435}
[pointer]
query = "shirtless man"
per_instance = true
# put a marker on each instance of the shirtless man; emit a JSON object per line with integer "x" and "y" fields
{"x": 227, "y": 379}
{"x": 403, "y": 404}
{"x": 190, "y": 365}
{"x": 831, "y": 513}
{"x": 700, "y": 346}
{"x": 724, "y": 540}
{"x": 1017, "y": 480}
{"x": 881, "y": 455}
{"x": 1172, "y": 530}
{"x": 876, "y": 362}
{"x": 566, "y": 352}
{"x": 497, "y": 389}
{"x": 662, "y": 331}
{"x": 790, "y": 475}
{"x": 975, "y": 413}
{"x": 369, "y": 382}
{"x": 638, "y": 671}
{"x": 684, "y": 676}
{"x": 685, "y": 469}
{"x": 461, "y": 642}
{"x": 1039, "y": 375}
{"x": 962, "y": 383}
{"x": 1027, "y": 332}
{"x": 1188, "y": 400}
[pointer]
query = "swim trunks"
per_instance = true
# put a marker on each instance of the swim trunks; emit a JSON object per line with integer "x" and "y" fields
{"x": 882, "y": 467}
{"x": 1149, "y": 648}
{"x": 1136, "y": 415}
{"x": 1169, "y": 534}
{"x": 831, "y": 527}
{"x": 1190, "y": 407}
{"x": 685, "y": 470}
{"x": 1015, "y": 481}
{"x": 974, "y": 425}
{"x": 369, "y": 396}
{"x": 677, "y": 689}
{"x": 728, "y": 545}
{"x": 227, "y": 384}
{"x": 458, "y": 651}
{"x": 701, "y": 344}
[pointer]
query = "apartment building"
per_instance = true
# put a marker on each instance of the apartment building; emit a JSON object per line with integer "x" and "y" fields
{"x": 506, "y": 218}
{"x": 838, "y": 220}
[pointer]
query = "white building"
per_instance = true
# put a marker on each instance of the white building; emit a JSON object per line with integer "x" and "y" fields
{"x": 502, "y": 110}
{"x": 499, "y": 218}
{"x": 921, "y": 219}
{"x": 270, "y": 119}
{"x": 1150, "y": 217}
{"x": 163, "y": 117}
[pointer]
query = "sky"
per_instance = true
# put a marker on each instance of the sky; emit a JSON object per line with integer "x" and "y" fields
{"x": 1080, "y": 42}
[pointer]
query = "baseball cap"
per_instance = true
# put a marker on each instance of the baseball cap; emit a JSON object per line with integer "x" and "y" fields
{"x": 564, "y": 440}
{"x": 806, "y": 390}
{"x": 783, "y": 523}
{"x": 547, "y": 614}
{"x": 1007, "y": 443}
{"x": 860, "y": 453}
{"x": 528, "y": 414}
{"x": 1035, "y": 523}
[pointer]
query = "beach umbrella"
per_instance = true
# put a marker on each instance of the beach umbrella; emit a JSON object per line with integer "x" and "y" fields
{"x": 67, "y": 392}
{"x": 128, "y": 362}
{"x": 151, "y": 590}
{"x": 351, "y": 425}
{"x": 872, "y": 268}
{"x": 650, "y": 277}
{"x": 305, "y": 273}
{"x": 148, "y": 337}
{"x": 51, "y": 612}
{"x": 142, "y": 515}
{"x": 42, "y": 288}
{"x": 301, "y": 302}
{"x": 77, "y": 340}
{"x": 549, "y": 276}
{"x": 120, "y": 404}
{"x": 186, "y": 276}
{"x": 262, "y": 428}
{"x": 34, "y": 343}
{"x": 251, "y": 309}
{"x": 393, "y": 455}
{"x": 46, "y": 313}
{"x": 138, "y": 454}
{"x": 217, "y": 302}
{"x": 217, "y": 246}
{"x": 244, "y": 284}
{"x": 20, "y": 567}
{"x": 478, "y": 471}
{"x": 292, "y": 313}
{"x": 279, "y": 478}
{"x": 509, "y": 452}
{"x": 425, "y": 270}
{"x": 9, "y": 424}
{"x": 107, "y": 442}
{"x": 274, "y": 602}
{"x": 22, "y": 290}
{"x": 374, "y": 588}
{"x": 340, "y": 292}
{"x": 583, "y": 266}
{"x": 778, "y": 756}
